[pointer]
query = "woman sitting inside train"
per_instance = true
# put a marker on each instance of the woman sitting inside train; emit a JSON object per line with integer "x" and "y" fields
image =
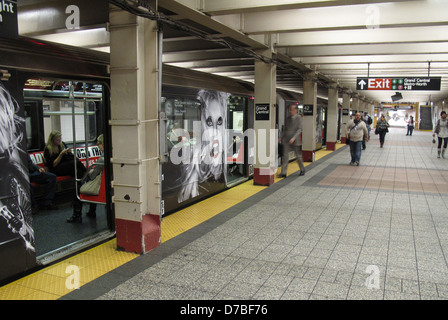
{"x": 61, "y": 161}
{"x": 93, "y": 172}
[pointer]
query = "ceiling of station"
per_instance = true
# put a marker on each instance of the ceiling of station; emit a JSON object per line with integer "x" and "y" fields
{"x": 337, "y": 40}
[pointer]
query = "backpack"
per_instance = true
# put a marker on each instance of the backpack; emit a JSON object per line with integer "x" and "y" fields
{"x": 369, "y": 120}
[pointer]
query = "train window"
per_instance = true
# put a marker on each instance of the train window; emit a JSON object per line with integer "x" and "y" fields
{"x": 181, "y": 112}
{"x": 236, "y": 111}
{"x": 76, "y": 109}
{"x": 67, "y": 106}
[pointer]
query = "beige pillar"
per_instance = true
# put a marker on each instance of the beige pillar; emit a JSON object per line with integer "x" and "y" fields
{"x": 354, "y": 105}
{"x": 345, "y": 115}
{"x": 309, "y": 118}
{"x": 264, "y": 124}
{"x": 332, "y": 118}
{"x": 134, "y": 121}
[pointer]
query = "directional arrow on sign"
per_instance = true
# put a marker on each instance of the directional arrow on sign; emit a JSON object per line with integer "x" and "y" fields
{"x": 362, "y": 83}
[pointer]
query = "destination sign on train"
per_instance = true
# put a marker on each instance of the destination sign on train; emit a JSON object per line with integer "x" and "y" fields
{"x": 393, "y": 83}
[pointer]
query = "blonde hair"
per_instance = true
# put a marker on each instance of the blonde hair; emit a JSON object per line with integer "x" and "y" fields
{"x": 10, "y": 122}
{"x": 54, "y": 149}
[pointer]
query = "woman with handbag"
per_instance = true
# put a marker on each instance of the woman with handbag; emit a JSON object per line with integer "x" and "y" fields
{"x": 410, "y": 126}
{"x": 91, "y": 182}
{"x": 61, "y": 161}
{"x": 442, "y": 134}
{"x": 382, "y": 127}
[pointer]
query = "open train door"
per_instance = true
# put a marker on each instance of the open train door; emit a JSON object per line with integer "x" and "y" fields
{"x": 92, "y": 187}
{"x": 80, "y": 111}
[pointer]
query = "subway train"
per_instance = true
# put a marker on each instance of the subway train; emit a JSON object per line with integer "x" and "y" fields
{"x": 46, "y": 86}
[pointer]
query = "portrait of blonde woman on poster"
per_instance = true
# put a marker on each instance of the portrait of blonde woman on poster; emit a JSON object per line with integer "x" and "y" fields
{"x": 15, "y": 202}
{"x": 206, "y": 157}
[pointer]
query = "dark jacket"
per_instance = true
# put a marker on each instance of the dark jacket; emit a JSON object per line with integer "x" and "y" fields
{"x": 292, "y": 129}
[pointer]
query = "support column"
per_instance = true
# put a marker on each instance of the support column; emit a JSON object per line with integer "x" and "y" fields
{"x": 332, "y": 118}
{"x": 355, "y": 105}
{"x": 264, "y": 124}
{"x": 309, "y": 119}
{"x": 345, "y": 116}
{"x": 135, "y": 67}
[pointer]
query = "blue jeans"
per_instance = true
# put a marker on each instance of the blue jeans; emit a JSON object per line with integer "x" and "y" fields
{"x": 355, "y": 150}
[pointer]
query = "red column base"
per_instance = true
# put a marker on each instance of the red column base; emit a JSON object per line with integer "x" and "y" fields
{"x": 343, "y": 140}
{"x": 308, "y": 156}
{"x": 331, "y": 146}
{"x": 138, "y": 236}
{"x": 264, "y": 176}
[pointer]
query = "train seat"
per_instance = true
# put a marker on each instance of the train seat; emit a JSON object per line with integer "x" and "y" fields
{"x": 237, "y": 157}
{"x": 38, "y": 159}
{"x": 99, "y": 198}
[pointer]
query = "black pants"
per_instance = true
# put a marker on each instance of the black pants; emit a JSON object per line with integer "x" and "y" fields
{"x": 67, "y": 168}
{"x": 382, "y": 135}
{"x": 445, "y": 142}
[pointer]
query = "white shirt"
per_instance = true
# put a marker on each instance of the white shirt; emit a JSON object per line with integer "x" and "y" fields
{"x": 443, "y": 133}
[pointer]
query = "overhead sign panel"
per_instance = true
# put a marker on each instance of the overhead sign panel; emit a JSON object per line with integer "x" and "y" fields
{"x": 395, "y": 83}
{"x": 8, "y": 19}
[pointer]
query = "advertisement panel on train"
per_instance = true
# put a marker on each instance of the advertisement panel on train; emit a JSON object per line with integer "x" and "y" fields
{"x": 17, "y": 251}
{"x": 196, "y": 134}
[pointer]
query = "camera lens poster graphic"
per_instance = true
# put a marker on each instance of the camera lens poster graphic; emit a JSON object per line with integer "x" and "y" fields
{"x": 8, "y": 19}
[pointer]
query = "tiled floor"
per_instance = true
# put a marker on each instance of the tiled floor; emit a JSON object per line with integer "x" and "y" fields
{"x": 377, "y": 231}
{"x": 396, "y": 179}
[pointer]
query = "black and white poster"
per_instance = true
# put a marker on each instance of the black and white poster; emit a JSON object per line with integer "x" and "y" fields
{"x": 17, "y": 251}
{"x": 197, "y": 134}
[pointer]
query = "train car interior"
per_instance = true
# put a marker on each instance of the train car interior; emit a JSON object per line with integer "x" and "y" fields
{"x": 75, "y": 109}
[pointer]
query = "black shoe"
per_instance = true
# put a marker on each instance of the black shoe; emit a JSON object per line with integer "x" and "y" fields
{"x": 302, "y": 173}
{"x": 281, "y": 176}
{"x": 76, "y": 217}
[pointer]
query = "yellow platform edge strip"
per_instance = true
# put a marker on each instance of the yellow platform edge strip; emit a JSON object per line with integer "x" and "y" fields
{"x": 55, "y": 281}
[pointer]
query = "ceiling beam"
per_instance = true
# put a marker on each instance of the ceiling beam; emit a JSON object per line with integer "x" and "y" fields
{"x": 219, "y": 7}
{"x": 363, "y": 36}
{"x": 399, "y": 58}
{"x": 366, "y": 49}
{"x": 360, "y": 16}
{"x": 204, "y": 20}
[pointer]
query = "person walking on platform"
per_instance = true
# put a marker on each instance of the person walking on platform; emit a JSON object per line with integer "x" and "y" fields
{"x": 291, "y": 140}
{"x": 368, "y": 121}
{"x": 410, "y": 126}
{"x": 442, "y": 134}
{"x": 356, "y": 133}
{"x": 382, "y": 127}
